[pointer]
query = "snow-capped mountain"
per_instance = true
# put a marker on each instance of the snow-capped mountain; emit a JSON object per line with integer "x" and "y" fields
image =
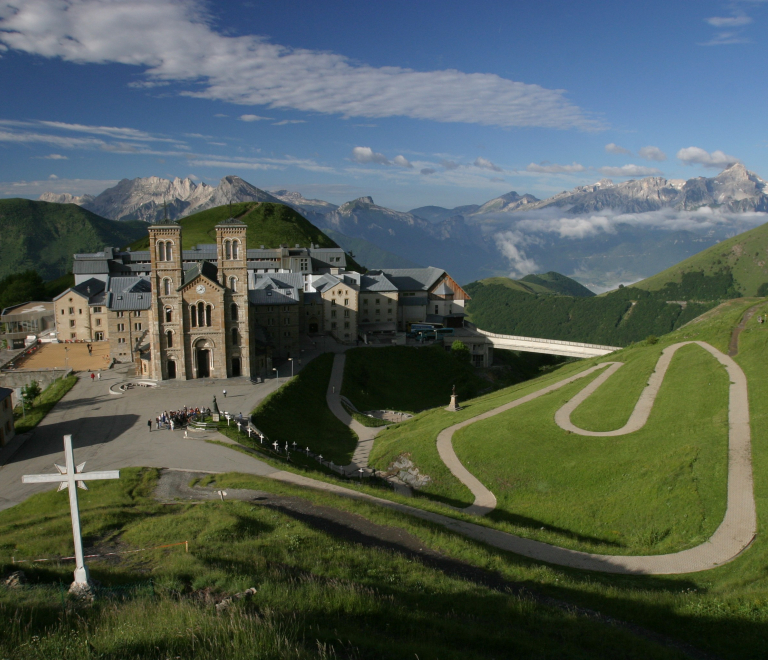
{"x": 150, "y": 198}
{"x": 735, "y": 189}
{"x": 65, "y": 198}
{"x": 297, "y": 201}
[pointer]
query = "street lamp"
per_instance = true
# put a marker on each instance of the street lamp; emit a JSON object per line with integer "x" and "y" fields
{"x": 291, "y": 361}
{"x": 277, "y": 374}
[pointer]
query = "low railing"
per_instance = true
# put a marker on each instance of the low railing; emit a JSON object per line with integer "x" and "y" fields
{"x": 559, "y": 342}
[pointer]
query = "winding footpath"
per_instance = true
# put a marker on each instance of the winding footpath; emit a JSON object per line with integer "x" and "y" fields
{"x": 739, "y": 525}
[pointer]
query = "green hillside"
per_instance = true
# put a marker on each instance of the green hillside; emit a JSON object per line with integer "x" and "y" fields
{"x": 743, "y": 257}
{"x": 270, "y": 225}
{"x": 43, "y": 236}
{"x": 550, "y": 283}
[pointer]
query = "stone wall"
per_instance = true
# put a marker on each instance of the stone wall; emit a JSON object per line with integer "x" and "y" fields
{"x": 23, "y": 377}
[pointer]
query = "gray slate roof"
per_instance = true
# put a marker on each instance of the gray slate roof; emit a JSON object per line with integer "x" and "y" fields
{"x": 204, "y": 268}
{"x": 411, "y": 279}
{"x": 128, "y": 301}
{"x": 376, "y": 283}
{"x": 88, "y": 289}
{"x": 130, "y": 284}
{"x": 443, "y": 289}
{"x": 90, "y": 266}
{"x": 276, "y": 289}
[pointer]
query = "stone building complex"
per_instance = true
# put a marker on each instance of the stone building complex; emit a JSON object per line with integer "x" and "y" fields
{"x": 226, "y": 309}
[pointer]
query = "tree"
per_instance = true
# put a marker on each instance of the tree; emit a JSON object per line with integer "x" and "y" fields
{"x": 30, "y": 392}
{"x": 460, "y": 351}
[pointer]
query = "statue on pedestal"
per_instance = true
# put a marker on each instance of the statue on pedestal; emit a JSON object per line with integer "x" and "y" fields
{"x": 454, "y": 405}
{"x": 215, "y": 410}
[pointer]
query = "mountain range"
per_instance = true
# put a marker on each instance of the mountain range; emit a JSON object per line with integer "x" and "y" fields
{"x": 601, "y": 234}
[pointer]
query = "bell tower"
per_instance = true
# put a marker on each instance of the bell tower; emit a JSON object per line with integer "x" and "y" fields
{"x": 233, "y": 276}
{"x": 167, "y": 314}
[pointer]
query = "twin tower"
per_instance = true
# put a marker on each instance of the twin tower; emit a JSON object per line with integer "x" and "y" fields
{"x": 199, "y": 320}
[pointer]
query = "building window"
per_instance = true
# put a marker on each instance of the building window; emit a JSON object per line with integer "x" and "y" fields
{"x": 346, "y": 301}
{"x": 62, "y": 311}
{"x": 227, "y": 249}
{"x": 333, "y": 325}
{"x": 378, "y": 311}
{"x": 286, "y": 321}
{"x": 333, "y": 314}
{"x": 99, "y": 336}
{"x": 71, "y": 310}
{"x": 365, "y": 301}
{"x": 233, "y": 284}
{"x": 161, "y": 251}
{"x": 208, "y": 312}
{"x": 121, "y": 340}
{"x": 71, "y": 323}
{"x": 346, "y": 325}
{"x": 389, "y": 301}
{"x": 80, "y": 311}
{"x": 233, "y": 312}
{"x": 235, "y": 337}
{"x": 73, "y": 336}
{"x": 346, "y": 312}
{"x": 120, "y": 314}
{"x": 137, "y": 326}
{"x": 201, "y": 314}
{"x": 98, "y": 321}
{"x": 168, "y": 315}
{"x": 166, "y": 287}
{"x": 169, "y": 338}
{"x": 287, "y": 334}
{"x": 121, "y": 327}
{"x": 436, "y": 308}
{"x": 333, "y": 302}
{"x": 97, "y": 310}
{"x": 271, "y": 322}
{"x": 235, "y": 246}
{"x": 137, "y": 313}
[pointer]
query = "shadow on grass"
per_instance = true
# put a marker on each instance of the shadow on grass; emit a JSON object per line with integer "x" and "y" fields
{"x": 499, "y": 515}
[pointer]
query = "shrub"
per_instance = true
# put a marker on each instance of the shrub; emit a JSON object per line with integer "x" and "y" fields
{"x": 651, "y": 340}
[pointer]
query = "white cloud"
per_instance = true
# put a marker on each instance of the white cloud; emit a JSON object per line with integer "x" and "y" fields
{"x": 52, "y": 176}
{"x": 511, "y": 244}
{"x": 368, "y": 155}
{"x": 175, "y": 41}
{"x": 53, "y": 157}
{"x": 110, "y": 131}
{"x": 250, "y": 118}
{"x": 285, "y": 122}
{"x": 726, "y": 39}
{"x": 232, "y": 163}
{"x": 729, "y": 21}
{"x": 427, "y": 171}
{"x": 449, "y": 164}
{"x": 402, "y": 161}
{"x": 486, "y": 164}
{"x": 698, "y": 156}
{"x": 58, "y": 140}
{"x": 612, "y": 148}
{"x": 652, "y": 153}
{"x": 554, "y": 168}
{"x": 630, "y": 170}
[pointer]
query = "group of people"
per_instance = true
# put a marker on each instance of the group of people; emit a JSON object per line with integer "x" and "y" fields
{"x": 176, "y": 418}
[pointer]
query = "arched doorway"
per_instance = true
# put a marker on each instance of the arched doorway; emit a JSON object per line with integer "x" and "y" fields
{"x": 235, "y": 367}
{"x": 203, "y": 357}
{"x": 313, "y": 326}
{"x": 171, "y": 368}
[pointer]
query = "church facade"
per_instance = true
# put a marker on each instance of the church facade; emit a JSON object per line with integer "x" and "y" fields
{"x": 226, "y": 310}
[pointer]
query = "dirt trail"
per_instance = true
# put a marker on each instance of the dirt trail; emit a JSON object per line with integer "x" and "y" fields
{"x": 733, "y": 347}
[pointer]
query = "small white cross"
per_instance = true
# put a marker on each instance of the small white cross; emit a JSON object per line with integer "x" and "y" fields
{"x": 70, "y": 476}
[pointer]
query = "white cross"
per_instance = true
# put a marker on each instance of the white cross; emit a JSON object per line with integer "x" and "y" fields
{"x": 69, "y": 476}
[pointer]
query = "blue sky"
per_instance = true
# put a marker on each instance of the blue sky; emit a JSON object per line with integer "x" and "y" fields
{"x": 442, "y": 103}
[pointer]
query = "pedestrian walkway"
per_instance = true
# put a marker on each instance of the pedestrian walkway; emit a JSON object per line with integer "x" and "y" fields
{"x": 739, "y": 525}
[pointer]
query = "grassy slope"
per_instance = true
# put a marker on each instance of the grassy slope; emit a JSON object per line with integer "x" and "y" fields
{"x": 270, "y": 225}
{"x": 43, "y": 236}
{"x": 406, "y": 378}
{"x": 317, "y": 427}
{"x": 27, "y": 420}
{"x": 746, "y": 255}
{"x": 317, "y": 596}
{"x": 547, "y": 284}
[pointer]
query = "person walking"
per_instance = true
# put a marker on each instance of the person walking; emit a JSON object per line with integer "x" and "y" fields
{"x": 149, "y": 425}
{"x": 225, "y": 393}
{"x": 93, "y": 375}
{"x": 98, "y": 376}
{"x": 171, "y": 424}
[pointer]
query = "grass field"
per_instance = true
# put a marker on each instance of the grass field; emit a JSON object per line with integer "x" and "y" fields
{"x": 298, "y": 412}
{"x": 318, "y": 595}
{"x": 42, "y": 405}
{"x": 406, "y": 378}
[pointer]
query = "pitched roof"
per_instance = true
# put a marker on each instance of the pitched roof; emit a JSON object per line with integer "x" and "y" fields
{"x": 204, "y": 268}
{"x": 129, "y": 284}
{"x": 376, "y": 282}
{"x": 128, "y": 300}
{"x": 5, "y": 393}
{"x": 88, "y": 289}
{"x": 443, "y": 289}
{"x": 232, "y": 221}
{"x": 276, "y": 289}
{"x": 411, "y": 279}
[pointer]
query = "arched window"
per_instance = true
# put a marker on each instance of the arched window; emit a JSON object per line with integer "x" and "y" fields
{"x": 233, "y": 284}
{"x": 166, "y": 287}
{"x": 193, "y": 315}
{"x": 169, "y": 251}
{"x": 208, "y": 310}
{"x": 235, "y": 337}
{"x": 235, "y": 245}
{"x": 233, "y": 312}
{"x": 227, "y": 249}
{"x": 168, "y": 315}
{"x": 169, "y": 338}
{"x": 161, "y": 251}
{"x": 200, "y": 314}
